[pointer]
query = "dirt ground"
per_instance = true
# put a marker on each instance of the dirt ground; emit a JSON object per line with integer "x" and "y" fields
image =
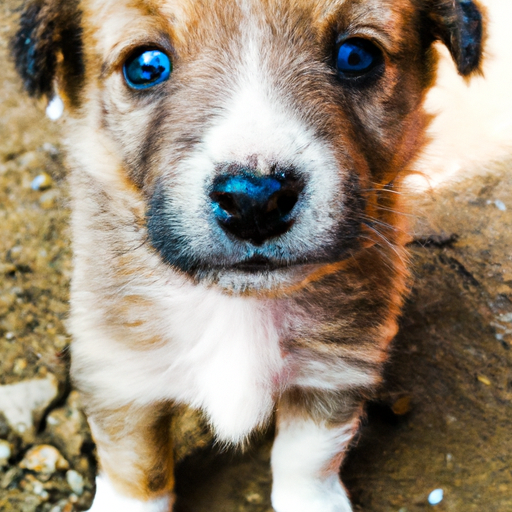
{"x": 444, "y": 416}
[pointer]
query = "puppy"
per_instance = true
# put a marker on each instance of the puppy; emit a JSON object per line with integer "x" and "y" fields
{"x": 238, "y": 241}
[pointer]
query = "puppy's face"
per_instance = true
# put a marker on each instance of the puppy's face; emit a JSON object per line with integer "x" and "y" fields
{"x": 263, "y": 136}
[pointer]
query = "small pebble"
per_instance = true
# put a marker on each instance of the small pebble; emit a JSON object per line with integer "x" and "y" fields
{"x": 9, "y": 477}
{"x": 49, "y": 199}
{"x": 506, "y": 317}
{"x": 436, "y": 497}
{"x": 75, "y": 481}
{"x": 30, "y": 160}
{"x": 44, "y": 459}
{"x": 23, "y": 404}
{"x": 42, "y": 182}
{"x": 254, "y": 498}
{"x": 50, "y": 148}
{"x": 55, "y": 108}
{"x": 500, "y": 205}
{"x": 20, "y": 365}
{"x": 402, "y": 406}
{"x": 39, "y": 489}
{"x": 484, "y": 380}
{"x": 5, "y": 452}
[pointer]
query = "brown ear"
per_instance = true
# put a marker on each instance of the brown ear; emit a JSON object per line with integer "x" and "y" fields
{"x": 459, "y": 25}
{"x": 49, "y": 32}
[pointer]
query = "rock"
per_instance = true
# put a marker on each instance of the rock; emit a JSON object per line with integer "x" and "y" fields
{"x": 11, "y": 476}
{"x": 50, "y": 149}
{"x": 67, "y": 428}
{"x": 63, "y": 506}
{"x": 402, "y": 405}
{"x": 20, "y": 365}
{"x": 24, "y": 404}
{"x": 436, "y": 497}
{"x": 484, "y": 380}
{"x": 31, "y": 160}
{"x": 5, "y": 452}
{"x": 42, "y": 182}
{"x": 75, "y": 481}
{"x": 31, "y": 484}
{"x": 49, "y": 199}
{"x": 44, "y": 459}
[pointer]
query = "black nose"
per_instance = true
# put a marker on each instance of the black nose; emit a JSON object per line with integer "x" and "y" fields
{"x": 255, "y": 208}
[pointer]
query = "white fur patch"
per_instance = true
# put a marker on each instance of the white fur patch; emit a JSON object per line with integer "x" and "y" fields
{"x": 218, "y": 353}
{"x": 107, "y": 499}
{"x": 305, "y": 463}
{"x": 55, "y": 108}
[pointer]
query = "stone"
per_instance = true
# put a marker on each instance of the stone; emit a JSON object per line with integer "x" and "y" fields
{"x": 5, "y": 452}
{"x": 67, "y": 428}
{"x": 23, "y": 404}
{"x": 402, "y": 405}
{"x": 11, "y": 476}
{"x": 484, "y": 380}
{"x": 44, "y": 459}
{"x": 42, "y": 181}
{"x": 436, "y": 497}
{"x": 75, "y": 481}
{"x": 31, "y": 484}
{"x": 48, "y": 200}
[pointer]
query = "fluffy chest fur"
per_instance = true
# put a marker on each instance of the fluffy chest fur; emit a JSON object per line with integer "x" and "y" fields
{"x": 152, "y": 335}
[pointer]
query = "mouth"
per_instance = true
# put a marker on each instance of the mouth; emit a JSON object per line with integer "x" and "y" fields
{"x": 258, "y": 264}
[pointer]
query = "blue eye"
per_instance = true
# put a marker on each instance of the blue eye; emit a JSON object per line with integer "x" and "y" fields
{"x": 357, "y": 57}
{"x": 147, "y": 68}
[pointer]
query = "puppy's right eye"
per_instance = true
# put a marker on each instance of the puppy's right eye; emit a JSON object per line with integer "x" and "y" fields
{"x": 357, "y": 57}
{"x": 147, "y": 68}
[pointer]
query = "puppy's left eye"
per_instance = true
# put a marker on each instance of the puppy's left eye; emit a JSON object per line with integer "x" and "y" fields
{"x": 147, "y": 68}
{"x": 356, "y": 57}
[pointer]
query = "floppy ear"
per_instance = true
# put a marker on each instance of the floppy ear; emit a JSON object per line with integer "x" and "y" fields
{"x": 459, "y": 25}
{"x": 48, "y": 39}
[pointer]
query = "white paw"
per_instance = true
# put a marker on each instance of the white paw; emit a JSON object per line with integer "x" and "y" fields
{"x": 313, "y": 496}
{"x": 107, "y": 499}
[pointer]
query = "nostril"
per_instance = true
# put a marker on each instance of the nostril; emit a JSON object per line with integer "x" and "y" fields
{"x": 286, "y": 202}
{"x": 226, "y": 201}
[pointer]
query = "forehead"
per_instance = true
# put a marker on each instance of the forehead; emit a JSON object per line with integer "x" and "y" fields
{"x": 189, "y": 21}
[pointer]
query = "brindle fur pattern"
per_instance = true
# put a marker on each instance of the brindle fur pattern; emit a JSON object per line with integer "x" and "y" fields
{"x": 159, "y": 315}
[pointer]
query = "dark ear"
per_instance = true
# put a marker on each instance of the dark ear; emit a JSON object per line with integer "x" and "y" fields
{"x": 459, "y": 25}
{"x": 49, "y": 33}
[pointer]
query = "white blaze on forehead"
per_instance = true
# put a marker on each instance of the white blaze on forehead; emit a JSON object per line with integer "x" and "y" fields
{"x": 257, "y": 121}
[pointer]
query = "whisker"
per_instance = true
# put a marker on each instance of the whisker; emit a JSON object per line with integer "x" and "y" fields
{"x": 396, "y": 212}
{"x": 388, "y": 262}
{"x": 383, "y": 224}
{"x": 388, "y": 243}
{"x": 382, "y": 190}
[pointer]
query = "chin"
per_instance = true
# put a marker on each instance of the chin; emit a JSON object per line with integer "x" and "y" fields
{"x": 257, "y": 278}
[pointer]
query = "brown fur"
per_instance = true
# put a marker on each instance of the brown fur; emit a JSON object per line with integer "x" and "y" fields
{"x": 348, "y": 306}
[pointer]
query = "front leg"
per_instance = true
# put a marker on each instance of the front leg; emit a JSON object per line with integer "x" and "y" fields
{"x": 313, "y": 433}
{"x": 135, "y": 459}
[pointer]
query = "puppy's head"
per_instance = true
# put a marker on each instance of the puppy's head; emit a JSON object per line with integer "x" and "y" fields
{"x": 264, "y": 136}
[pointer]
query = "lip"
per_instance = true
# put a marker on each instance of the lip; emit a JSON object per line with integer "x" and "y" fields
{"x": 258, "y": 264}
